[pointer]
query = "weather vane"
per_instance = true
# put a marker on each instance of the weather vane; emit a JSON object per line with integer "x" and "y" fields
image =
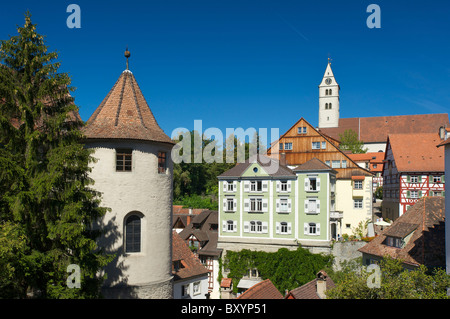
{"x": 127, "y": 55}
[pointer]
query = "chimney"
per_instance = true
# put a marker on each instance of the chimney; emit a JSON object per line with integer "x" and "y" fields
{"x": 283, "y": 159}
{"x": 321, "y": 284}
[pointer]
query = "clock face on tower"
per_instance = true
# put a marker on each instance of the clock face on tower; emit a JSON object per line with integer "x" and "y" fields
{"x": 328, "y": 81}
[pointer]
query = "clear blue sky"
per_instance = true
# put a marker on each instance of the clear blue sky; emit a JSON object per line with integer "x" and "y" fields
{"x": 251, "y": 63}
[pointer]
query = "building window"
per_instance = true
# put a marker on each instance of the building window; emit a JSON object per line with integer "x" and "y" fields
{"x": 284, "y": 186}
{"x": 394, "y": 242}
{"x": 301, "y": 130}
{"x": 312, "y": 206}
{"x": 358, "y": 185}
{"x": 414, "y": 179}
{"x": 357, "y": 203}
{"x": 327, "y": 163}
{"x": 316, "y": 145}
{"x": 344, "y": 163}
{"x": 312, "y": 184}
{"x": 284, "y": 204}
{"x": 162, "y": 162}
{"x": 335, "y": 164}
{"x": 324, "y": 145}
{"x": 123, "y": 160}
{"x": 330, "y": 92}
{"x": 414, "y": 194}
{"x": 256, "y": 186}
{"x": 197, "y": 288}
{"x": 288, "y": 146}
{"x": 133, "y": 234}
{"x": 436, "y": 179}
{"x": 230, "y": 204}
{"x": 281, "y": 146}
{"x": 230, "y": 226}
{"x": 284, "y": 227}
{"x": 256, "y": 205}
{"x": 185, "y": 291}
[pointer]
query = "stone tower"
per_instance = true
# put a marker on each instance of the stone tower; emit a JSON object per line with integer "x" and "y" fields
{"x": 328, "y": 100}
{"x": 134, "y": 174}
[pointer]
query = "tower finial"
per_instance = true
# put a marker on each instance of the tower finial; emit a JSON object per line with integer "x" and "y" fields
{"x": 127, "y": 55}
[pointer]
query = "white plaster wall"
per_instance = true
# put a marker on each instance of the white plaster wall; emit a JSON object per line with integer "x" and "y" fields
{"x": 177, "y": 287}
{"x": 344, "y": 203}
{"x": 143, "y": 190}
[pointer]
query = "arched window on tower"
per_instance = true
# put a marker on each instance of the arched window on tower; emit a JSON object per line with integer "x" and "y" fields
{"x": 330, "y": 92}
{"x": 326, "y": 91}
{"x": 329, "y": 106}
{"x": 133, "y": 233}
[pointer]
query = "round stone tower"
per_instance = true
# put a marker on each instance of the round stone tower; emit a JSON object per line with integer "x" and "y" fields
{"x": 133, "y": 172}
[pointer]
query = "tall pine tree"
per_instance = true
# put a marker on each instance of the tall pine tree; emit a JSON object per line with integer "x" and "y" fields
{"x": 48, "y": 208}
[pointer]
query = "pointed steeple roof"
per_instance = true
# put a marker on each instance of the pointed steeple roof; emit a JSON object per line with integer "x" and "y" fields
{"x": 328, "y": 75}
{"x": 125, "y": 114}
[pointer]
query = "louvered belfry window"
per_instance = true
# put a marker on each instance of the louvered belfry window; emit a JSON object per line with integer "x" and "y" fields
{"x": 123, "y": 160}
{"x": 133, "y": 234}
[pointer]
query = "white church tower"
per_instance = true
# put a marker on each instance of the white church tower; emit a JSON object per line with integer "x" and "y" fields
{"x": 328, "y": 100}
{"x": 133, "y": 172}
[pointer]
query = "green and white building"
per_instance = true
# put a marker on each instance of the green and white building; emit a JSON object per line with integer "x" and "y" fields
{"x": 264, "y": 210}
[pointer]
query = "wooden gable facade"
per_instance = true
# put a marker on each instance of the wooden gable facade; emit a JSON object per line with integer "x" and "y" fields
{"x": 302, "y": 142}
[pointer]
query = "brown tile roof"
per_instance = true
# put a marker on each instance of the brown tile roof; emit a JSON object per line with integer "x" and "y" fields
{"x": 374, "y": 158}
{"x": 417, "y": 152}
{"x": 262, "y": 290}
{"x": 265, "y": 162}
{"x": 125, "y": 114}
{"x": 314, "y": 165}
{"x": 426, "y": 219}
{"x": 191, "y": 265}
{"x": 200, "y": 227}
{"x": 309, "y": 290}
{"x": 376, "y": 129}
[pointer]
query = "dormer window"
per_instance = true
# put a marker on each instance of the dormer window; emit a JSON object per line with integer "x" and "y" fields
{"x": 394, "y": 242}
{"x": 123, "y": 160}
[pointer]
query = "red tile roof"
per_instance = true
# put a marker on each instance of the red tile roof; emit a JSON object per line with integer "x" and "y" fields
{"x": 376, "y": 129}
{"x": 262, "y": 290}
{"x": 417, "y": 152}
{"x": 125, "y": 114}
{"x": 309, "y": 290}
{"x": 191, "y": 265}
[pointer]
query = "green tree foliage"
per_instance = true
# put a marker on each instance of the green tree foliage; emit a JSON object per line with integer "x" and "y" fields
{"x": 286, "y": 269}
{"x": 47, "y": 208}
{"x": 396, "y": 283}
{"x": 195, "y": 184}
{"x": 350, "y": 142}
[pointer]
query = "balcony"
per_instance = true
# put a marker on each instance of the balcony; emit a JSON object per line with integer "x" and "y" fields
{"x": 336, "y": 215}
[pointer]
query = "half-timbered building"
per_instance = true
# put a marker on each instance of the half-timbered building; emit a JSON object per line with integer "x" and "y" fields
{"x": 413, "y": 168}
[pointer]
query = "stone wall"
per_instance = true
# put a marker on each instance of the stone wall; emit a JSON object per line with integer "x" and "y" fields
{"x": 346, "y": 251}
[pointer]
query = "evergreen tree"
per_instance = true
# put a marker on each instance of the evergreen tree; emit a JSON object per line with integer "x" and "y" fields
{"x": 47, "y": 207}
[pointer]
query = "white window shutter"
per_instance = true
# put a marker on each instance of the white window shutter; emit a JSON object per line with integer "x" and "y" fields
{"x": 318, "y": 183}
{"x": 265, "y": 227}
{"x": 246, "y": 186}
{"x": 235, "y": 226}
{"x": 246, "y": 205}
{"x": 289, "y": 186}
{"x": 224, "y": 226}
{"x": 289, "y": 204}
{"x": 306, "y": 184}
{"x": 317, "y": 229}
{"x": 234, "y": 204}
{"x": 306, "y": 205}
{"x": 234, "y": 186}
{"x": 289, "y": 228}
{"x": 225, "y": 185}
{"x": 277, "y": 227}
{"x": 318, "y": 206}
{"x": 278, "y": 205}
{"x": 246, "y": 227}
{"x": 265, "y": 186}
{"x": 265, "y": 205}
{"x": 306, "y": 228}
{"x": 224, "y": 204}
{"x": 278, "y": 186}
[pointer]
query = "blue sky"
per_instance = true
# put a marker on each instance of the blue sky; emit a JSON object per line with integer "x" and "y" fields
{"x": 251, "y": 63}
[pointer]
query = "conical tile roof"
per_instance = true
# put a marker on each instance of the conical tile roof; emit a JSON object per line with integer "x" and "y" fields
{"x": 125, "y": 114}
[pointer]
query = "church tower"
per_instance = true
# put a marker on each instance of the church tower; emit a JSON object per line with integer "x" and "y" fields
{"x": 133, "y": 172}
{"x": 328, "y": 100}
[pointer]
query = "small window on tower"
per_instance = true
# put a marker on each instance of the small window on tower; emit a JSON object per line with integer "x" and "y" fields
{"x": 162, "y": 162}
{"x": 330, "y": 92}
{"x": 123, "y": 160}
{"x": 329, "y": 106}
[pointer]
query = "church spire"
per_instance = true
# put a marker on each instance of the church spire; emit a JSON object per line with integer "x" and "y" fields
{"x": 328, "y": 99}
